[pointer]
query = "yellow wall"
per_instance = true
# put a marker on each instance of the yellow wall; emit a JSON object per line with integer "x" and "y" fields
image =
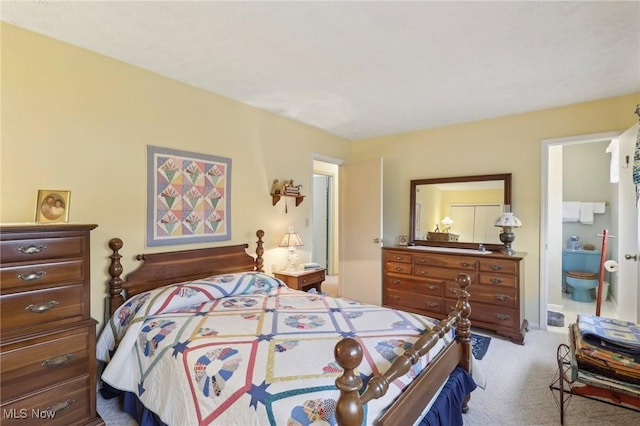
{"x": 79, "y": 121}
{"x": 510, "y": 144}
{"x": 73, "y": 119}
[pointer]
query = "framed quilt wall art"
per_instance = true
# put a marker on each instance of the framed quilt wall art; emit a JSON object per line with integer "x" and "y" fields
{"x": 188, "y": 197}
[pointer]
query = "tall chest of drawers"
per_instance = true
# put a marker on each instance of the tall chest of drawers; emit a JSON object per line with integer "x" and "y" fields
{"x": 47, "y": 336}
{"x": 423, "y": 281}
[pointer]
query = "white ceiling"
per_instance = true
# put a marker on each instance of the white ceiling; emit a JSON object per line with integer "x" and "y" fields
{"x": 363, "y": 69}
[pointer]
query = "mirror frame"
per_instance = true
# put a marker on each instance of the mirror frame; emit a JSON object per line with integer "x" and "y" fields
{"x": 504, "y": 177}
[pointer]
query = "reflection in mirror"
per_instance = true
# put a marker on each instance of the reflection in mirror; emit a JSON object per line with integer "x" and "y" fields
{"x": 458, "y": 211}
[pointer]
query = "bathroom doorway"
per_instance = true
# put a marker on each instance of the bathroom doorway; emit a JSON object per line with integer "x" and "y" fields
{"x": 568, "y": 170}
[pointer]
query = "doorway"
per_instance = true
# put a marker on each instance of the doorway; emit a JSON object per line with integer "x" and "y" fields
{"x": 325, "y": 220}
{"x": 567, "y": 165}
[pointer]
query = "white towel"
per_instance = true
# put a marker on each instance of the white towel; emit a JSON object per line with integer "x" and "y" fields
{"x": 586, "y": 213}
{"x": 570, "y": 211}
{"x": 599, "y": 207}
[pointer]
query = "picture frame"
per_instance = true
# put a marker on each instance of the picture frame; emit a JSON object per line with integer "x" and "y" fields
{"x": 188, "y": 197}
{"x": 403, "y": 240}
{"x": 52, "y": 206}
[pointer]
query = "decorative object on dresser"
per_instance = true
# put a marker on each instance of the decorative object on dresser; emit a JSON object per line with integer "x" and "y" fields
{"x": 302, "y": 280}
{"x": 291, "y": 240}
{"x": 52, "y": 206}
{"x": 422, "y": 280}
{"x": 507, "y": 221}
{"x": 47, "y": 349}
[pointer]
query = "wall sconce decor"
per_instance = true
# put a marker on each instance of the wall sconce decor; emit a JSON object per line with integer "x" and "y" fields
{"x": 507, "y": 221}
{"x": 291, "y": 240}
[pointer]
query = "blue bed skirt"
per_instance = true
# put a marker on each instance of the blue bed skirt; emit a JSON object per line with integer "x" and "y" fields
{"x": 445, "y": 411}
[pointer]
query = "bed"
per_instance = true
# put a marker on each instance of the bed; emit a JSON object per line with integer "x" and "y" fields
{"x": 205, "y": 337}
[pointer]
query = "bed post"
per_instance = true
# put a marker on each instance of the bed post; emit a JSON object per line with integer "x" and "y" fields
{"x": 463, "y": 325}
{"x": 259, "y": 251}
{"x": 115, "y": 270}
{"x": 348, "y": 355}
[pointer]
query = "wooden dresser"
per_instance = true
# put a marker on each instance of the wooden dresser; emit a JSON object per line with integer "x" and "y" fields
{"x": 47, "y": 341}
{"x": 424, "y": 282}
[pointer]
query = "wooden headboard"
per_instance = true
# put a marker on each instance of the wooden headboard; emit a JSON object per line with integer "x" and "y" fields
{"x": 160, "y": 269}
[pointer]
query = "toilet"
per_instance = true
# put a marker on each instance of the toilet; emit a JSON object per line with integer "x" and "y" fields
{"x": 580, "y": 269}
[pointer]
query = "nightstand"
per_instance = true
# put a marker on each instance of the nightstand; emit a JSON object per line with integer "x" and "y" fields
{"x": 302, "y": 280}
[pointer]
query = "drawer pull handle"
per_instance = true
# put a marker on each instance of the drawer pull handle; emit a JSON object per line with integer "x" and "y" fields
{"x": 398, "y": 257}
{"x": 304, "y": 280}
{"x": 453, "y": 290}
{"x": 396, "y": 282}
{"x": 57, "y": 361}
{"x": 496, "y": 267}
{"x": 31, "y": 249}
{"x": 432, "y": 304}
{"x": 32, "y": 276}
{"x": 422, "y": 272}
{"x": 399, "y": 269}
{"x": 396, "y": 298}
{"x": 422, "y": 261}
{"x": 433, "y": 287}
{"x": 503, "y": 317}
{"x": 502, "y": 297}
{"x": 465, "y": 264}
{"x": 496, "y": 280}
{"x": 41, "y": 307}
{"x": 60, "y": 406}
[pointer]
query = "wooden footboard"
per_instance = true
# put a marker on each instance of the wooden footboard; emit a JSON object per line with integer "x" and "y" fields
{"x": 407, "y": 408}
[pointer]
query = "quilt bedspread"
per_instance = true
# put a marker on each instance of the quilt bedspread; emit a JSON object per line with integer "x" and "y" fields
{"x": 244, "y": 349}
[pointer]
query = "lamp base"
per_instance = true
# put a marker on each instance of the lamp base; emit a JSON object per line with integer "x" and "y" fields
{"x": 291, "y": 256}
{"x": 507, "y": 237}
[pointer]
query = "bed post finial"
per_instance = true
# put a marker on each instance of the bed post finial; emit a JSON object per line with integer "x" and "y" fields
{"x": 115, "y": 270}
{"x": 463, "y": 326}
{"x": 348, "y": 355}
{"x": 259, "y": 251}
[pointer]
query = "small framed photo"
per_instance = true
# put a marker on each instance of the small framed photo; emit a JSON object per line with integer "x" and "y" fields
{"x": 52, "y": 206}
{"x": 403, "y": 240}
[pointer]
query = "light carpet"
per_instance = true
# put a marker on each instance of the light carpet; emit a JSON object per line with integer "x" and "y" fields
{"x": 517, "y": 388}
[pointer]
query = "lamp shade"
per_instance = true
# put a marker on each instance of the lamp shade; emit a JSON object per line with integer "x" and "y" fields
{"x": 508, "y": 220}
{"x": 291, "y": 239}
{"x": 447, "y": 221}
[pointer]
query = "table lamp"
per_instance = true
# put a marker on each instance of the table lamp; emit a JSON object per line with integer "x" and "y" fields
{"x": 507, "y": 221}
{"x": 291, "y": 240}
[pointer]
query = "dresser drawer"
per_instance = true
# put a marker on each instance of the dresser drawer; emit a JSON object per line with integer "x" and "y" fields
{"x": 500, "y": 280}
{"x": 34, "y": 308}
{"x": 485, "y": 294}
{"x": 399, "y": 268}
{"x": 393, "y": 256}
{"x": 503, "y": 317}
{"x": 40, "y": 362}
{"x": 458, "y": 263}
{"x": 413, "y": 301}
{"x": 427, "y": 286}
{"x": 28, "y": 250}
{"x": 41, "y": 275}
{"x": 498, "y": 265}
{"x": 65, "y": 404}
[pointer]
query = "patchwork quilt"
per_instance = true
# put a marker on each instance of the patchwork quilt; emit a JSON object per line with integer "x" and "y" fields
{"x": 244, "y": 349}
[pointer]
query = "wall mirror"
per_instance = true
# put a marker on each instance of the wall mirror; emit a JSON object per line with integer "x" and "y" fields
{"x": 458, "y": 211}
